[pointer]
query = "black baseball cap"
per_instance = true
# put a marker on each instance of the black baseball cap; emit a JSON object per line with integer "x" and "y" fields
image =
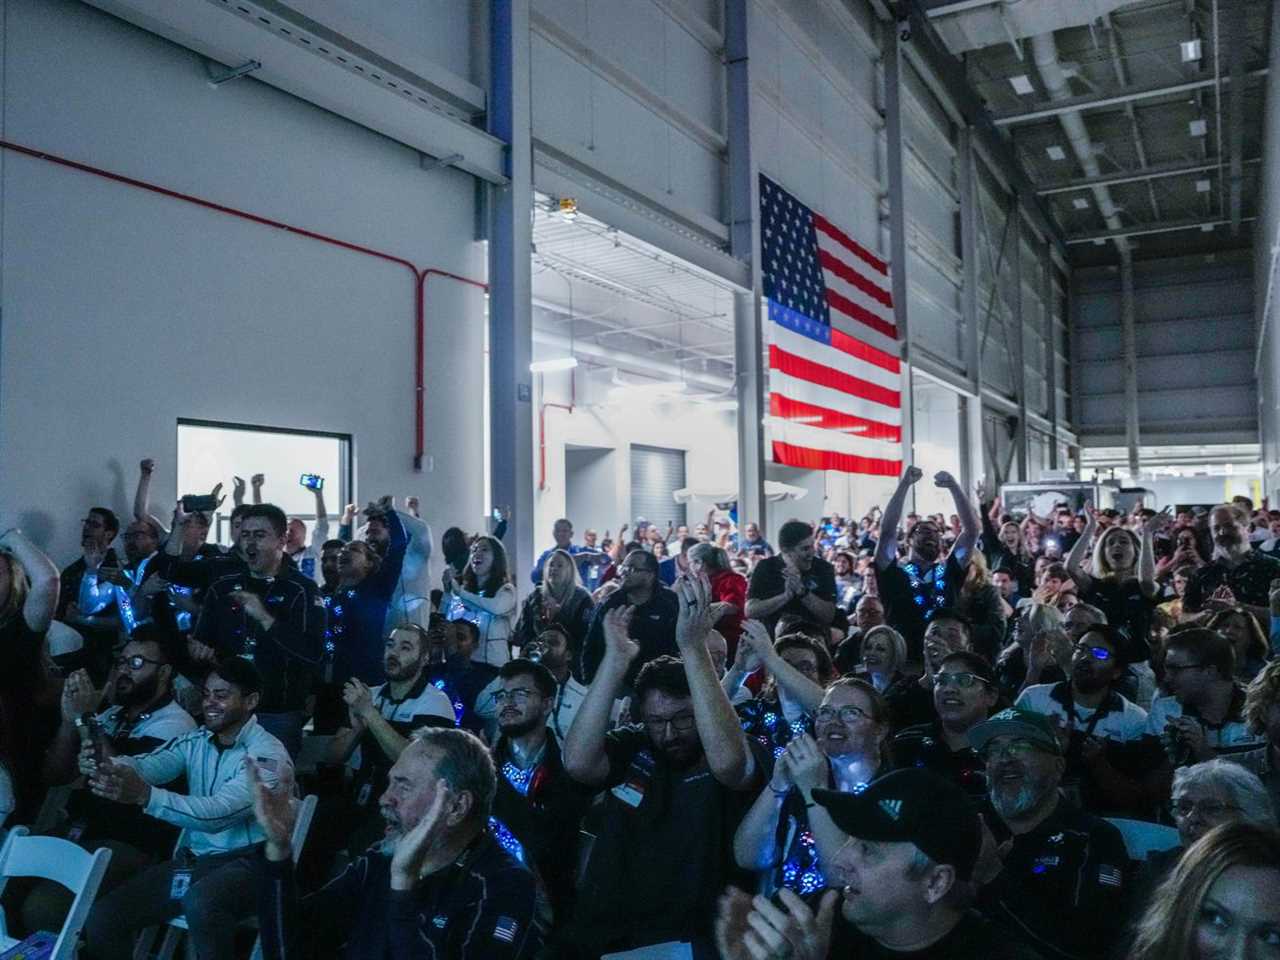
{"x": 1016, "y": 722}
{"x": 912, "y": 806}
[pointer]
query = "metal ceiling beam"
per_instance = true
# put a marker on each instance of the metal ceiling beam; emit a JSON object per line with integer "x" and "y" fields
{"x": 1151, "y": 173}
{"x": 1143, "y": 230}
{"x": 1114, "y": 100}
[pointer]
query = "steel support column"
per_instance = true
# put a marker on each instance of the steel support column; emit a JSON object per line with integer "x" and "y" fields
{"x": 510, "y": 251}
{"x": 1050, "y": 351}
{"x": 898, "y": 223}
{"x": 1021, "y": 437}
{"x": 969, "y": 305}
{"x": 1129, "y": 347}
{"x": 744, "y": 244}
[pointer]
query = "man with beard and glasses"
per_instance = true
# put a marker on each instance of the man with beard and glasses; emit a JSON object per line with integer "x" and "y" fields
{"x": 379, "y": 722}
{"x": 796, "y": 582}
{"x": 210, "y": 879}
{"x": 97, "y": 530}
{"x": 271, "y": 616}
{"x": 126, "y": 592}
{"x": 900, "y": 885}
{"x": 538, "y": 807}
{"x": 1051, "y": 871}
{"x": 678, "y": 784}
{"x": 926, "y": 582}
{"x": 439, "y": 884}
{"x": 964, "y": 694}
{"x": 1106, "y": 752}
{"x": 142, "y": 717}
{"x": 1236, "y": 574}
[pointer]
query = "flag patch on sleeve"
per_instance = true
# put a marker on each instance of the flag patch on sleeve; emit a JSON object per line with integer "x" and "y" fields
{"x": 505, "y": 930}
{"x": 1110, "y": 876}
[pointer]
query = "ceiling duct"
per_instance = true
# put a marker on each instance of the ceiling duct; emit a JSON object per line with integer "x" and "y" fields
{"x": 974, "y": 24}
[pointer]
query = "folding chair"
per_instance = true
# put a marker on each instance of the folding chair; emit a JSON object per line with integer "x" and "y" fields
{"x": 1141, "y": 839}
{"x": 61, "y": 861}
{"x": 178, "y": 925}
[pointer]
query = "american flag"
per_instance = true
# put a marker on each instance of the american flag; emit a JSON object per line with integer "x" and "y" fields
{"x": 835, "y": 381}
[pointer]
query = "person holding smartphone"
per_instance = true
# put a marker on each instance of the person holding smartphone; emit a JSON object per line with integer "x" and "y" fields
{"x": 307, "y": 555}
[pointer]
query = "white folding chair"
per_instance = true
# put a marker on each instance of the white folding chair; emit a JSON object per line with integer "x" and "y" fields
{"x": 61, "y": 861}
{"x": 178, "y": 925}
{"x": 1141, "y": 839}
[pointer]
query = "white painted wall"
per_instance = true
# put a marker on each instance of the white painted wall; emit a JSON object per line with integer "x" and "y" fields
{"x": 123, "y": 311}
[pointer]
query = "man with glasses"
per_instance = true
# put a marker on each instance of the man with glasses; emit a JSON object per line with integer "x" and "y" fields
{"x": 1236, "y": 574}
{"x": 1203, "y": 716}
{"x": 678, "y": 783}
{"x": 964, "y": 694}
{"x": 538, "y": 806}
{"x": 1106, "y": 751}
{"x": 1058, "y": 874}
{"x": 124, "y": 593}
{"x": 97, "y": 530}
{"x": 141, "y": 717}
{"x": 911, "y": 703}
{"x": 653, "y": 620}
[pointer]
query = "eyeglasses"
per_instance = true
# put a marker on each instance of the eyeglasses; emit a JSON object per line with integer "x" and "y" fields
{"x": 1098, "y": 653}
{"x": 846, "y": 715}
{"x": 1209, "y": 809}
{"x": 680, "y": 723}
{"x": 1020, "y": 747}
{"x": 962, "y": 680}
{"x": 1179, "y": 667}
{"x": 133, "y": 663}
{"x": 519, "y": 695}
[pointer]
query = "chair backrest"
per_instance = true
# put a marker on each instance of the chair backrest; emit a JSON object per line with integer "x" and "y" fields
{"x": 1141, "y": 839}
{"x": 61, "y": 861}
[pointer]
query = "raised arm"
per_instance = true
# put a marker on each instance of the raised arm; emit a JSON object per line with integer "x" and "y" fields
{"x": 1147, "y": 554}
{"x": 257, "y": 480}
{"x": 1080, "y": 550}
{"x": 887, "y": 545}
{"x": 584, "y": 755}
{"x": 320, "y": 532}
{"x": 970, "y": 525}
{"x": 359, "y": 699}
{"x": 799, "y": 687}
{"x": 42, "y": 579}
{"x": 142, "y": 493}
{"x": 728, "y": 754}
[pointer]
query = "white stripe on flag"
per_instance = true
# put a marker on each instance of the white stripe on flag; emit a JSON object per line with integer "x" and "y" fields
{"x": 830, "y": 399}
{"x": 804, "y": 435}
{"x": 853, "y": 292}
{"x": 801, "y": 346}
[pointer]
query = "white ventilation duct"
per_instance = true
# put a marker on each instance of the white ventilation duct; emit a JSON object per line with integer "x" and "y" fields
{"x": 631, "y": 361}
{"x": 1056, "y": 76}
{"x": 974, "y": 24}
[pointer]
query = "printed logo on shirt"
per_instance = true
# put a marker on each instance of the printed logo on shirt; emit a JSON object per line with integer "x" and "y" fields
{"x": 892, "y": 807}
{"x": 440, "y": 921}
{"x": 505, "y": 930}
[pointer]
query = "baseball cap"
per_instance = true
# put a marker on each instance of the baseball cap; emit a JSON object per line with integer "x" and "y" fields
{"x": 914, "y": 806}
{"x": 1013, "y": 722}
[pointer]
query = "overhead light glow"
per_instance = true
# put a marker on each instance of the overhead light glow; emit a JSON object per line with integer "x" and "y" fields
{"x": 1206, "y": 228}
{"x": 647, "y": 391}
{"x": 1055, "y": 152}
{"x": 1190, "y": 50}
{"x": 1198, "y": 128}
{"x": 1202, "y": 186}
{"x": 1022, "y": 84}
{"x": 550, "y": 366}
{"x": 1080, "y": 203}
{"x": 1099, "y": 242}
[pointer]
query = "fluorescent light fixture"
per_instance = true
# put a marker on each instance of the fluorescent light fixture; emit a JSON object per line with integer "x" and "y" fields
{"x": 1190, "y": 50}
{"x": 1080, "y": 203}
{"x": 1202, "y": 186}
{"x": 1099, "y": 242}
{"x": 1055, "y": 152}
{"x": 550, "y": 366}
{"x": 1198, "y": 128}
{"x": 1206, "y": 228}
{"x": 1022, "y": 84}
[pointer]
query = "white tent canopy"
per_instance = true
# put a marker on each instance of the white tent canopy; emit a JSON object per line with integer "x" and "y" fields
{"x": 773, "y": 492}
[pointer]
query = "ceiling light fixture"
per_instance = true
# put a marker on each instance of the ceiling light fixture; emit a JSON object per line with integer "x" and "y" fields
{"x": 1022, "y": 84}
{"x": 1198, "y": 128}
{"x": 1080, "y": 203}
{"x": 1055, "y": 152}
{"x": 1190, "y": 50}
{"x": 1202, "y": 186}
{"x": 551, "y": 366}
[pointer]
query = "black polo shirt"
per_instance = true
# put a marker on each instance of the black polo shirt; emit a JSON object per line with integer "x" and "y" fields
{"x": 924, "y": 746}
{"x": 1250, "y": 581}
{"x": 912, "y": 596}
{"x": 972, "y": 938}
{"x": 653, "y": 626}
{"x": 1064, "y": 885}
{"x": 768, "y": 580}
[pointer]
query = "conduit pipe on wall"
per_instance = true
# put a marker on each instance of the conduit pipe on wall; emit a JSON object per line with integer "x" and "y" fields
{"x": 542, "y": 421}
{"x": 420, "y": 274}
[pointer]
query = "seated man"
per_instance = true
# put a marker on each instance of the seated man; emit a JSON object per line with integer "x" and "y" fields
{"x": 678, "y": 784}
{"x": 1061, "y": 878}
{"x": 143, "y": 716}
{"x": 1106, "y": 750}
{"x": 904, "y": 872}
{"x": 379, "y": 723}
{"x": 964, "y": 694}
{"x": 538, "y": 807}
{"x": 439, "y": 885}
{"x": 210, "y": 879}
{"x": 911, "y": 703}
{"x": 469, "y": 685}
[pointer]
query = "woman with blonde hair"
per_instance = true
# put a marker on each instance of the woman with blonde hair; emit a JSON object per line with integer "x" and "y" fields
{"x": 1121, "y": 578}
{"x": 1220, "y": 901}
{"x": 560, "y": 600}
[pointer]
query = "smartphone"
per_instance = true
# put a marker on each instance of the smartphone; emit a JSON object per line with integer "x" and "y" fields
{"x": 199, "y": 503}
{"x": 312, "y": 481}
{"x": 497, "y": 515}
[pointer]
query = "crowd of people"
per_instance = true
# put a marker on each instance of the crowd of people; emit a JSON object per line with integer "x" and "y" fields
{"x": 897, "y": 736}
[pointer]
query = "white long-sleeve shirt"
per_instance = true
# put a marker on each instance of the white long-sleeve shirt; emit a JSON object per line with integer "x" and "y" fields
{"x": 411, "y": 602}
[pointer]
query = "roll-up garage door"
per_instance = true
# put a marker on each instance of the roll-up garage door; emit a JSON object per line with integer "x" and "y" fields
{"x": 656, "y": 473}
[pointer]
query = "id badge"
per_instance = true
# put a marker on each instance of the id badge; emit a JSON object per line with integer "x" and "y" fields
{"x": 362, "y": 798}
{"x": 180, "y": 884}
{"x": 631, "y": 791}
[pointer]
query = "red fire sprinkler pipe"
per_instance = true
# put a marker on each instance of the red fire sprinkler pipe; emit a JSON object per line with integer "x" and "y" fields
{"x": 542, "y": 424}
{"x": 420, "y": 275}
